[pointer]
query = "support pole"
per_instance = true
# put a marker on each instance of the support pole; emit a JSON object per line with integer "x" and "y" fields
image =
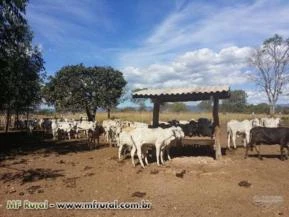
{"x": 156, "y": 114}
{"x": 217, "y": 130}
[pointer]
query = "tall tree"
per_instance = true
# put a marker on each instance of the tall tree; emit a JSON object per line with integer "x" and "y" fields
{"x": 81, "y": 88}
{"x": 271, "y": 62}
{"x": 21, "y": 64}
{"x": 112, "y": 86}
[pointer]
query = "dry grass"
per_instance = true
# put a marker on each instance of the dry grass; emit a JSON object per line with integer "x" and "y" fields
{"x": 165, "y": 116}
{"x": 147, "y": 116}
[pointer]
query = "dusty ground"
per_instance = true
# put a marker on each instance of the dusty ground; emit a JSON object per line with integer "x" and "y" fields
{"x": 186, "y": 186}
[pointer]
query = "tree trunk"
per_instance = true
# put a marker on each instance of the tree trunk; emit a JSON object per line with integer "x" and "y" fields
{"x": 7, "y": 119}
{"x": 108, "y": 113}
{"x": 27, "y": 118}
{"x": 272, "y": 109}
{"x": 90, "y": 113}
{"x": 17, "y": 115}
{"x": 16, "y": 121}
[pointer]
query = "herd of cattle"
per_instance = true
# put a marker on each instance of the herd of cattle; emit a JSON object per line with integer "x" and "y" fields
{"x": 138, "y": 137}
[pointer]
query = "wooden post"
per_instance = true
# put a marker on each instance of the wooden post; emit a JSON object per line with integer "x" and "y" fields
{"x": 217, "y": 130}
{"x": 216, "y": 112}
{"x": 156, "y": 114}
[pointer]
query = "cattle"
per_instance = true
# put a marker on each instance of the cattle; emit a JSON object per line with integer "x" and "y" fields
{"x": 157, "y": 137}
{"x": 110, "y": 127}
{"x": 205, "y": 127}
{"x": 65, "y": 128}
{"x": 202, "y": 127}
{"x": 19, "y": 124}
{"x": 270, "y": 122}
{"x": 84, "y": 126}
{"x": 235, "y": 127}
{"x": 93, "y": 135}
{"x": 269, "y": 136}
{"x": 54, "y": 128}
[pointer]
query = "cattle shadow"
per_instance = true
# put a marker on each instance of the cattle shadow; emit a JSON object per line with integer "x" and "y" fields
{"x": 181, "y": 151}
{"x": 264, "y": 156}
{"x": 30, "y": 175}
{"x": 192, "y": 151}
{"x": 15, "y": 144}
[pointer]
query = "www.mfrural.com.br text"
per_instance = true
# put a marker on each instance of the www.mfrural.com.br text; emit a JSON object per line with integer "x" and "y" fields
{"x": 40, "y": 205}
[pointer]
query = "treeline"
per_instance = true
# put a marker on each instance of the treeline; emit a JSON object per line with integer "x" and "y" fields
{"x": 21, "y": 63}
{"x": 237, "y": 103}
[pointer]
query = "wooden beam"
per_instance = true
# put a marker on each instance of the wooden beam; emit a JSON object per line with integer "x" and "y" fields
{"x": 217, "y": 130}
{"x": 156, "y": 114}
{"x": 216, "y": 111}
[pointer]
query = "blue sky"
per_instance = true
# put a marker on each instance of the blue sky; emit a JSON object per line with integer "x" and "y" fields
{"x": 159, "y": 43}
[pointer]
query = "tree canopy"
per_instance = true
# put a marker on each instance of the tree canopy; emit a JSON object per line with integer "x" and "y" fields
{"x": 80, "y": 88}
{"x": 21, "y": 63}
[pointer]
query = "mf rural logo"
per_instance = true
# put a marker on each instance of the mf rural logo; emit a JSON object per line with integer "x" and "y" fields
{"x": 26, "y": 204}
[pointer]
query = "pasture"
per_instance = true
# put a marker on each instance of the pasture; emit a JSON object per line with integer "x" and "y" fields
{"x": 36, "y": 168}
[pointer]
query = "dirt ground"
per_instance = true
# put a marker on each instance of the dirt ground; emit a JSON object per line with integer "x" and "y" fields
{"x": 191, "y": 184}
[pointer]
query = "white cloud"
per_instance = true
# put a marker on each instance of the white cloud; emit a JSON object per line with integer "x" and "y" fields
{"x": 199, "y": 67}
{"x": 198, "y": 25}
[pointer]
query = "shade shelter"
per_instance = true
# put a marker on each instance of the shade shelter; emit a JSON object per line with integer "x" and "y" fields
{"x": 198, "y": 93}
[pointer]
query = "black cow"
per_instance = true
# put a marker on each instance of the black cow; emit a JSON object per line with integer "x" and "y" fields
{"x": 269, "y": 136}
{"x": 190, "y": 129}
{"x": 205, "y": 127}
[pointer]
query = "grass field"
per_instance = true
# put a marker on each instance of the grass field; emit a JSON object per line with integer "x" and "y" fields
{"x": 147, "y": 116}
{"x": 165, "y": 116}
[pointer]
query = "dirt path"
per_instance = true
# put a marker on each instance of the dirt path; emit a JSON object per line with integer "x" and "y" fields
{"x": 185, "y": 186}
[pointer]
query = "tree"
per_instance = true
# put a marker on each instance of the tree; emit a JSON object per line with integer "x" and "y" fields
{"x": 271, "y": 62}
{"x": 205, "y": 105}
{"x": 78, "y": 88}
{"x": 236, "y": 103}
{"x": 178, "y": 107}
{"x": 21, "y": 64}
{"x": 112, "y": 85}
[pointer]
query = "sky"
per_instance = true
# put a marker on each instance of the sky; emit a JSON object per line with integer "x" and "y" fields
{"x": 160, "y": 43}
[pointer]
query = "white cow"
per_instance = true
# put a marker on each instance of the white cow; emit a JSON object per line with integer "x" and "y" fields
{"x": 54, "y": 128}
{"x": 179, "y": 135}
{"x": 84, "y": 126}
{"x": 270, "y": 122}
{"x": 235, "y": 127}
{"x": 158, "y": 137}
{"x": 66, "y": 127}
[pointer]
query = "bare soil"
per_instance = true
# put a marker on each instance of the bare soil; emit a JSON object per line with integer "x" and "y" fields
{"x": 192, "y": 184}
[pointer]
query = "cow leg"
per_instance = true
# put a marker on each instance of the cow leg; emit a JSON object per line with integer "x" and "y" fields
{"x": 286, "y": 154}
{"x": 257, "y": 148}
{"x": 162, "y": 155}
{"x": 229, "y": 140}
{"x": 247, "y": 149}
{"x": 282, "y": 157}
{"x": 234, "y": 140}
{"x": 168, "y": 152}
{"x": 132, "y": 153}
{"x": 145, "y": 154}
{"x": 139, "y": 155}
{"x": 146, "y": 157}
{"x": 119, "y": 151}
{"x": 98, "y": 141}
{"x": 158, "y": 153}
{"x": 68, "y": 135}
